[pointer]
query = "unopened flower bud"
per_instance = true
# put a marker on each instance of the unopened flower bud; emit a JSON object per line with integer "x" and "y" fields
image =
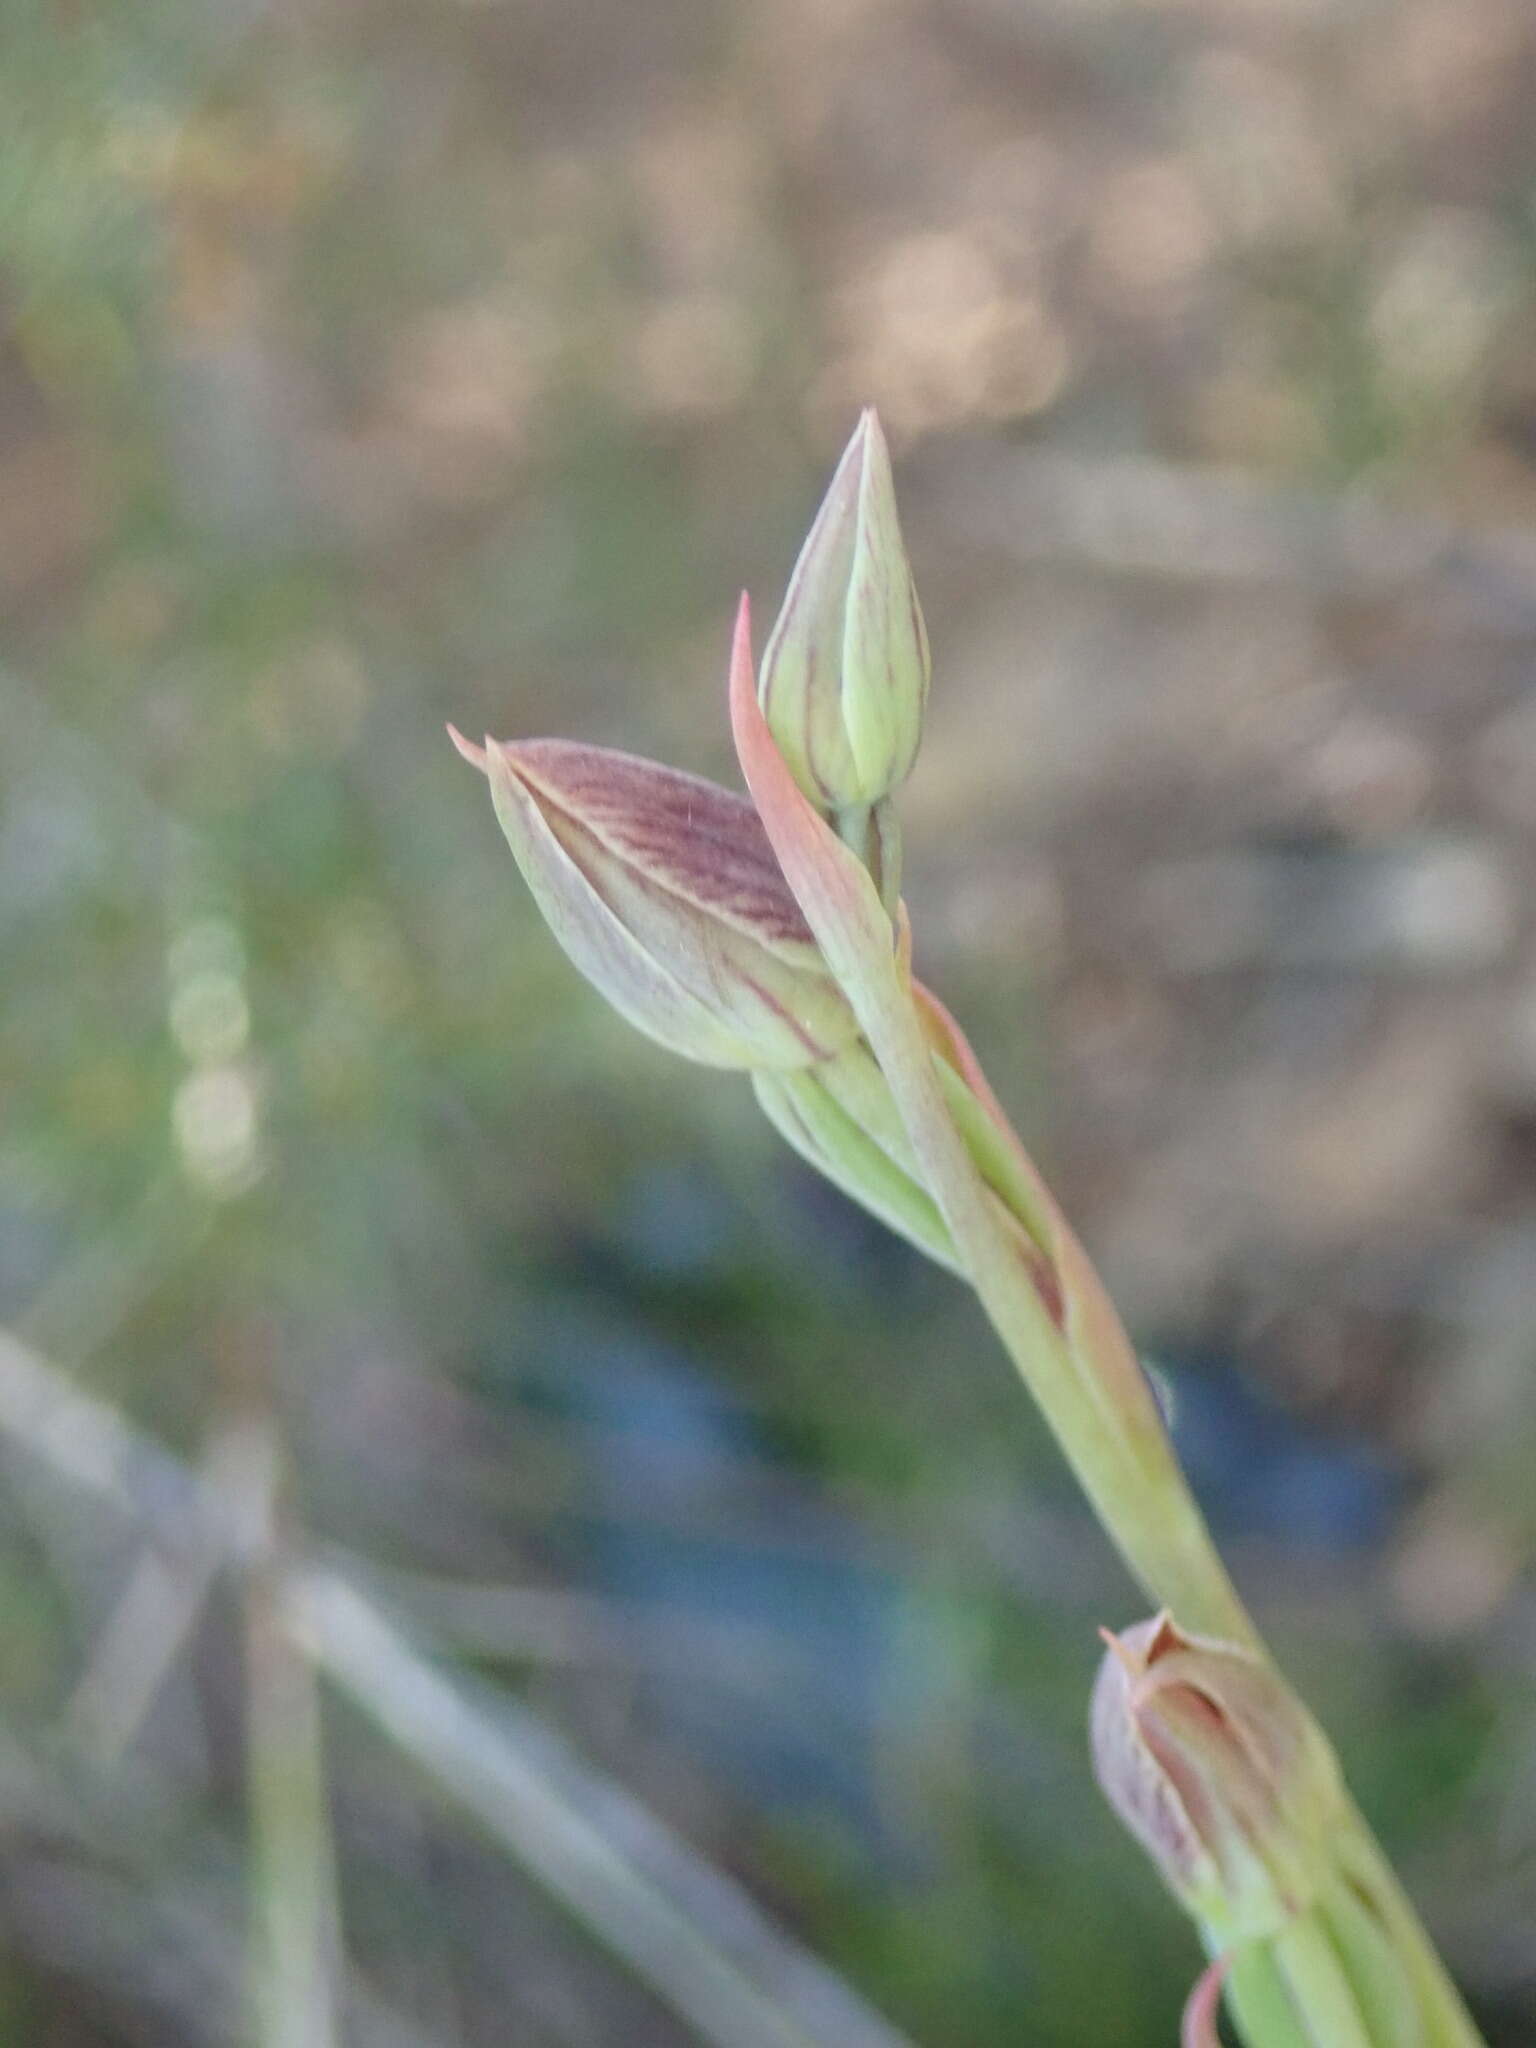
{"x": 1220, "y": 1773}
{"x": 664, "y": 892}
{"x": 844, "y": 680}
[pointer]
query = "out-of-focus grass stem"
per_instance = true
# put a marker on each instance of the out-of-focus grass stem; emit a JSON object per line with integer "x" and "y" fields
{"x": 294, "y": 1949}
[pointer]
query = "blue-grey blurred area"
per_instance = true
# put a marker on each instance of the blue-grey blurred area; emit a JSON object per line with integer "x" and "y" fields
{"x": 370, "y": 363}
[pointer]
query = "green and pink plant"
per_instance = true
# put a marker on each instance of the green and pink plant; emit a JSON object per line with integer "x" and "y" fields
{"x": 767, "y": 933}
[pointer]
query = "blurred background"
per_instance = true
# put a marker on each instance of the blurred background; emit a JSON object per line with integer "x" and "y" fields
{"x": 702, "y": 1624}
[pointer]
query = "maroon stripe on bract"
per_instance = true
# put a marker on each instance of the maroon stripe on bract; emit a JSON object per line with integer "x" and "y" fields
{"x": 702, "y": 841}
{"x": 785, "y": 1015}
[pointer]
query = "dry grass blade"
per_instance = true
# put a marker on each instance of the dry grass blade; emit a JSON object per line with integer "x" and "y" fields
{"x": 689, "y": 1931}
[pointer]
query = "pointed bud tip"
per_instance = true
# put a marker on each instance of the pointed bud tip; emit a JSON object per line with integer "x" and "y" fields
{"x": 872, "y": 433}
{"x": 844, "y": 679}
{"x": 1121, "y": 1651}
{"x": 475, "y": 756}
{"x": 742, "y": 682}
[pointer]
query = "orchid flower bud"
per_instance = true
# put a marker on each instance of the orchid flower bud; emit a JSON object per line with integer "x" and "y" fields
{"x": 844, "y": 680}
{"x": 663, "y": 891}
{"x": 1220, "y": 1773}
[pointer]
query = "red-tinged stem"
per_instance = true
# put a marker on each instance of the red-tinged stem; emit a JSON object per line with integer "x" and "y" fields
{"x": 1199, "y": 2029}
{"x": 1070, "y": 1350}
{"x": 1073, "y": 1354}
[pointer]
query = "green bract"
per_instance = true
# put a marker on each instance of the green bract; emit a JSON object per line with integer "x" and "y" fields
{"x": 840, "y": 1118}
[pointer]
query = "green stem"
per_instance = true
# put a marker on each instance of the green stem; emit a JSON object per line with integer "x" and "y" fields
{"x": 1125, "y": 1463}
{"x": 873, "y": 833}
{"x": 1318, "y": 1986}
{"x": 1442, "y": 2015}
{"x": 1127, "y": 1467}
{"x": 1258, "y": 1997}
{"x": 1073, "y": 1356}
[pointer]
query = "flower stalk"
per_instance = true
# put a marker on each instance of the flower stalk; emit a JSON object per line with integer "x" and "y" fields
{"x": 771, "y": 936}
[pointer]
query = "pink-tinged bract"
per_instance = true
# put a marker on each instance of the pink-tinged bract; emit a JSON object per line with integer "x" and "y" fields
{"x": 662, "y": 889}
{"x": 1220, "y": 1773}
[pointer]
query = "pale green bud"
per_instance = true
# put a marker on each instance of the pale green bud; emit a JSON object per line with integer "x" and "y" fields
{"x": 844, "y": 678}
{"x": 664, "y": 892}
